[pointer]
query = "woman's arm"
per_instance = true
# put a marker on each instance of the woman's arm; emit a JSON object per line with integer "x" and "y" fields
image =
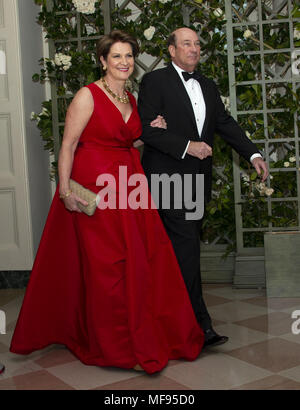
{"x": 159, "y": 122}
{"x": 78, "y": 115}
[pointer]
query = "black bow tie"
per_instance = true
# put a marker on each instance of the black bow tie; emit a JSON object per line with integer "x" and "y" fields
{"x": 187, "y": 76}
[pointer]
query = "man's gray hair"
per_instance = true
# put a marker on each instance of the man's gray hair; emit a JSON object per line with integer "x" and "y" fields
{"x": 171, "y": 40}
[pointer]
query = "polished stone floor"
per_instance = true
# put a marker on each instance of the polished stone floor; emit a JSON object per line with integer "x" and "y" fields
{"x": 262, "y": 352}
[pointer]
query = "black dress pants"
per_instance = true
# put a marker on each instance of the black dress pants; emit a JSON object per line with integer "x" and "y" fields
{"x": 185, "y": 237}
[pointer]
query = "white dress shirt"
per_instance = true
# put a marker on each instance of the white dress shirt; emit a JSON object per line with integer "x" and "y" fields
{"x": 195, "y": 94}
{"x": 194, "y": 91}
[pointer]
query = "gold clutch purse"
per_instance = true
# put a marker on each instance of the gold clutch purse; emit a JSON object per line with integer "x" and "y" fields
{"x": 85, "y": 194}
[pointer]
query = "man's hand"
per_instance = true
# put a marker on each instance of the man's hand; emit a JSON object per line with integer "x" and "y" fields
{"x": 260, "y": 165}
{"x": 199, "y": 149}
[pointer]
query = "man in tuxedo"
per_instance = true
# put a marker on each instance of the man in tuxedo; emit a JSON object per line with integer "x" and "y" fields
{"x": 194, "y": 112}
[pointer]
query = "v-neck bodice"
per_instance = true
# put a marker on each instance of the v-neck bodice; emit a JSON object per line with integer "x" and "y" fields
{"x": 106, "y": 126}
{"x": 114, "y": 105}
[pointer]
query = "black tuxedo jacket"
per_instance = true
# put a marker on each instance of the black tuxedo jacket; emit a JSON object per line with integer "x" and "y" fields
{"x": 162, "y": 92}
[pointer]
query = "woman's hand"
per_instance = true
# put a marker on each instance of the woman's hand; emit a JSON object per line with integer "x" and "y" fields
{"x": 71, "y": 202}
{"x": 159, "y": 122}
{"x": 138, "y": 143}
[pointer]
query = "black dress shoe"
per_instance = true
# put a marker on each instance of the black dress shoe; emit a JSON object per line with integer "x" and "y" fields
{"x": 213, "y": 339}
{"x": 2, "y": 368}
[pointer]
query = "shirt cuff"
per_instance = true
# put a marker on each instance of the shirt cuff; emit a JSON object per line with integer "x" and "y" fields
{"x": 255, "y": 156}
{"x": 186, "y": 150}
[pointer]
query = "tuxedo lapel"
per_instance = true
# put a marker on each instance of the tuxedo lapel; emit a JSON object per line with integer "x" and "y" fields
{"x": 207, "y": 98}
{"x": 182, "y": 95}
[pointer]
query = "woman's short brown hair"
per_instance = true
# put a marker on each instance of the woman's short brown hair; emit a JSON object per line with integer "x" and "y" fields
{"x": 115, "y": 36}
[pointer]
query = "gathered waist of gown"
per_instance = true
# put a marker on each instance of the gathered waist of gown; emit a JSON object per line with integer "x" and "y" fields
{"x": 101, "y": 147}
{"x": 116, "y": 153}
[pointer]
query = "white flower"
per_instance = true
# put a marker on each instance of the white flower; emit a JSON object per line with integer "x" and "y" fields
{"x": 246, "y": 180}
{"x": 149, "y": 33}
{"x": 261, "y": 187}
{"x": 66, "y": 59}
{"x": 218, "y": 12}
{"x": 286, "y": 164}
{"x": 247, "y": 34}
{"x": 90, "y": 29}
{"x": 269, "y": 191}
{"x": 219, "y": 182}
{"x": 57, "y": 59}
{"x": 215, "y": 194}
{"x": 164, "y": 1}
{"x": 44, "y": 111}
{"x": 32, "y": 116}
{"x": 226, "y": 102}
{"x": 72, "y": 21}
{"x": 85, "y": 6}
{"x": 63, "y": 60}
{"x": 292, "y": 159}
{"x": 296, "y": 34}
{"x": 197, "y": 26}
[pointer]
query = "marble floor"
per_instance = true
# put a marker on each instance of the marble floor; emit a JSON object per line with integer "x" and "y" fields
{"x": 262, "y": 353}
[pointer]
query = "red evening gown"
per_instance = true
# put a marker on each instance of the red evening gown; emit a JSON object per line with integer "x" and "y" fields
{"x": 108, "y": 286}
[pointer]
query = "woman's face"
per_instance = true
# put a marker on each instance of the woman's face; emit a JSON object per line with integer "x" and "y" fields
{"x": 119, "y": 62}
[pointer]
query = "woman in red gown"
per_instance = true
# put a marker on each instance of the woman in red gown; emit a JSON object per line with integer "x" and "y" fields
{"x": 106, "y": 286}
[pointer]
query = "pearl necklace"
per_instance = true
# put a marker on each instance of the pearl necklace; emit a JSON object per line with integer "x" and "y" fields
{"x": 124, "y": 99}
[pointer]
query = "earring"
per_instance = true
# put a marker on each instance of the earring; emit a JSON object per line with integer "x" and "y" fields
{"x": 104, "y": 68}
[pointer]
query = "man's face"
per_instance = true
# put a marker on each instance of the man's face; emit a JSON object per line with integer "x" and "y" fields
{"x": 186, "y": 54}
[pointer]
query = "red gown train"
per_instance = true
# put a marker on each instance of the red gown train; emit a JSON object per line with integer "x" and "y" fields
{"x": 108, "y": 287}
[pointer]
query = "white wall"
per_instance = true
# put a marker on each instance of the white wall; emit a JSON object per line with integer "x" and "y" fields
{"x": 31, "y": 46}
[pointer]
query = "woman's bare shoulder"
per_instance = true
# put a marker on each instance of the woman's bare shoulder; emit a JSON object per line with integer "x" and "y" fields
{"x": 83, "y": 99}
